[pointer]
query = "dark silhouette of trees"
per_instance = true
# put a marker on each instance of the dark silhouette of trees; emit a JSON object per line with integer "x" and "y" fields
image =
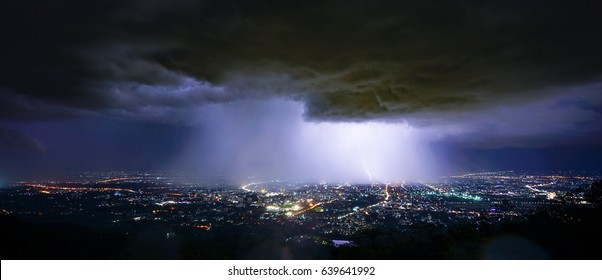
{"x": 594, "y": 194}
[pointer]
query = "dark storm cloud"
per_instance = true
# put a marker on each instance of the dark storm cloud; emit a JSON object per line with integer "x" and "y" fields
{"x": 15, "y": 139}
{"x": 345, "y": 60}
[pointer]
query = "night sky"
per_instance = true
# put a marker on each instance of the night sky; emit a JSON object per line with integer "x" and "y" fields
{"x": 334, "y": 90}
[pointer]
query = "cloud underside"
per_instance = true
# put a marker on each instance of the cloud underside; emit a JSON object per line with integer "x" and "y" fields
{"x": 345, "y": 60}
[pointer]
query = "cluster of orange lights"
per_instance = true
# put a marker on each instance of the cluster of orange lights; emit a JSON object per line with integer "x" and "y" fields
{"x": 205, "y": 227}
{"x": 113, "y": 180}
{"x": 46, "y": 189}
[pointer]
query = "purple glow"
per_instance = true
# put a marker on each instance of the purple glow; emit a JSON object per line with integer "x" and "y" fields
{"x": 271, "y": 139}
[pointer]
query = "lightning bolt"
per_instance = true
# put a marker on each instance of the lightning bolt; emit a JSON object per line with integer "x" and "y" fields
{"x": 367, "y": 171}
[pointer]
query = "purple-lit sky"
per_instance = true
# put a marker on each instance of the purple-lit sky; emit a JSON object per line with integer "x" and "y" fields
{"x": 332, "y": 90}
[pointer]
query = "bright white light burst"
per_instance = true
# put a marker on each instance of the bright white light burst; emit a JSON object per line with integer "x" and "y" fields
{"x": 271, "y": 139}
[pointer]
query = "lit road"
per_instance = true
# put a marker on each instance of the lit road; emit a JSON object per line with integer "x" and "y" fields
{"x": 310, "y": 208}
{"x": 382, "y": 202}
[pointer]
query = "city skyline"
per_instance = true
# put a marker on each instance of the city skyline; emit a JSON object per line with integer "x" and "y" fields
{"x": 141, "y": 215}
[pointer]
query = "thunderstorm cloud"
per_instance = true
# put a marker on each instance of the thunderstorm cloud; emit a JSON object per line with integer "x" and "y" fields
{"x": 425, "y": 62}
